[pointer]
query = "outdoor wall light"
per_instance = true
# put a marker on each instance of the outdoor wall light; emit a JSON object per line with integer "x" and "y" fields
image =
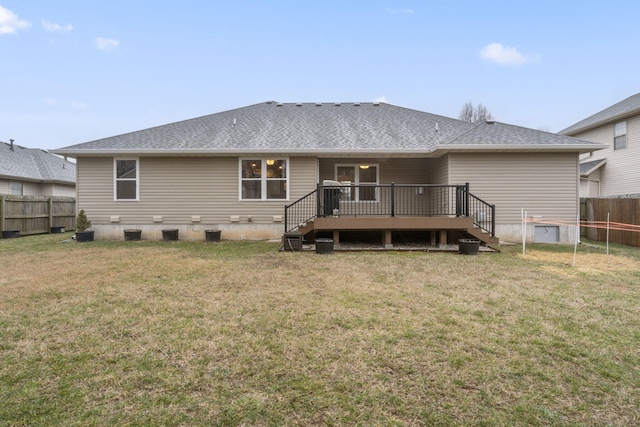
{"x": 270, "y": 162}
{"x": 364, "y": 166}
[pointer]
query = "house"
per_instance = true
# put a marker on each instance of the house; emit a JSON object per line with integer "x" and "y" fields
{"x": 35, "y": 172}
{"x": 265, "y": 169}
{"x": 613, "y": 171}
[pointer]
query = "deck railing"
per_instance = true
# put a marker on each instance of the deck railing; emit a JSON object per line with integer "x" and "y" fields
{"x": 390, "y": 200}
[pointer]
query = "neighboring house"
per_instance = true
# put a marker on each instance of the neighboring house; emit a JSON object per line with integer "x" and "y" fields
{"x": 614, "y": 171}
{"x": 35, "y": 172}
{"x": 235, "y": 171}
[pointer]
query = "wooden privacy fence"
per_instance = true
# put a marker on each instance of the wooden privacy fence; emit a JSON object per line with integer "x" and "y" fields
{"x": 615, "y": 210}
{"x": 36, "y": 214}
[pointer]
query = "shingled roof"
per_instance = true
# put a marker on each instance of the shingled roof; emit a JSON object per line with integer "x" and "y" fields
{"x": 31, "y": 164}
{"x": 322, "y": 128}
{"x": 619, "y": 111}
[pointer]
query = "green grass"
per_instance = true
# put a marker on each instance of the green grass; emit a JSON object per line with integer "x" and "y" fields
{"x": 236, "y": 333}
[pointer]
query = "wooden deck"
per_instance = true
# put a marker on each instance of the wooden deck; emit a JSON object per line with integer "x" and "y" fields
{"x": 442, "y": 230}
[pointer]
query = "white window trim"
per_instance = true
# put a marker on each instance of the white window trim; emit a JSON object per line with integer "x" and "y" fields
{"x": 356, "y": 166}
{"x": 115, "y": 179}
{"x": 617, "y": 135}
{"x": 263, "y": 178}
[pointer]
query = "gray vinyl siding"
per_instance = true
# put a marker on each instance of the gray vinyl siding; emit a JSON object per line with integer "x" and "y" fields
{"x": 544, "y": 185}
{"x": 439, "y": 170}
{"x": 178, "y": 188}
{"x": 620, "y": 175}
{"x": 398, "y": 170}
{"x": 36, "y": 189}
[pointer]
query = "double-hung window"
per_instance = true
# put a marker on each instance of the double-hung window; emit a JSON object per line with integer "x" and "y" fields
{"x": 363, "y": 179}
{"x": 126, "y": 172}
{"x": 264, "y": 179}
{"x": 620, "y": 135}
{"x": 16, "y": 188}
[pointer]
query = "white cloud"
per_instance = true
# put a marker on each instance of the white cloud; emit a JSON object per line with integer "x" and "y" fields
{"x": 10, "y": 23}
{"x": 103, "y": 43}
{"x": 381, "y": 99}
{"x": 51, "y": 26}
{"x": 79, "y": 105}
{"x": 504, "y": 55}
{"x": 396, "y": 11}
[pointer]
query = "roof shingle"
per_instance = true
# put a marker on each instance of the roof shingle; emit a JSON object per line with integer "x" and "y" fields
{"x": 319, "y": 127}
{"x": 34, "y": 165}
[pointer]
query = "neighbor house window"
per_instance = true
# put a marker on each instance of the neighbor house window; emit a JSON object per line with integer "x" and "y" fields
{"x": 363, "y": 177}
{"x": 263, "y": 179}
{"x": 620, "y": 136}
{"x": 16, "y": 188}
{"x": 126, "y": 179}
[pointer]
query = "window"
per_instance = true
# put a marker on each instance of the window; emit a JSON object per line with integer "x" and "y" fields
{"x": 620, "y": 136}
{"x": 16, "y": 188}
{"x": 126, "y": 179}
{"x": 359, "y": 176}
{"x": 263, "y": 179}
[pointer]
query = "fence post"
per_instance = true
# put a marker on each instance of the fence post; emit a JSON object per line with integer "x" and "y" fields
{"x": 1, "y": 213}
{"x": 50, "y": 213}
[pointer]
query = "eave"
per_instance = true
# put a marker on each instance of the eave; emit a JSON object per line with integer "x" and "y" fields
{"x": 427, "y": 152}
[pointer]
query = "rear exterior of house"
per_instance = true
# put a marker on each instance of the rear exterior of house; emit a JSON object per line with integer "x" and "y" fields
{"x": 613, "y": 171}
{"x": 237, "y": 171}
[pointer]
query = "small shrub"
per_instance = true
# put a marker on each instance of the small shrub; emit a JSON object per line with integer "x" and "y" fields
{"x": 82, "y": 222}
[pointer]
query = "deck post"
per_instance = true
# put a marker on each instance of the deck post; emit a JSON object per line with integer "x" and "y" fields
{"x": 286, "y": 223}
{"x": 493, "y": 220}
{"x": 336, "y": 237}
{"x": 318, "y": 195}
{"x": 387, "y": 239}
{"x": 443, "y": 237}
{"x": 467, "y": 199}
{"x": 393, "y": 200}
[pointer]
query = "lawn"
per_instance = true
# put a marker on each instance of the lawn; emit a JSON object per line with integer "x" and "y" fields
{"x": 237, "y": 333}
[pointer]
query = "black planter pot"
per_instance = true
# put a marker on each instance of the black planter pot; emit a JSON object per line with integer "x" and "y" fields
{"x": 170, "y": 235}
{"x": 84, "y": 236}
{"x": 324, "y": 246}
{"x": 132, "y": 235}
{"x": 57, "y": 229}
{"x": 10, "y": 234}
{"x": 468, "y": 246}
{"x": 212, "y": 235}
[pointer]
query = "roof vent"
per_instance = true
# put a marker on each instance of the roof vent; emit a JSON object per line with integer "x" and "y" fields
{"x": 318, "y": 104}
{"x": 337, "y": 104}
{"x": 279, "y": 104}
{"x": 376, "y": 104}
{"x": 298, "y": 104}
{"x": 356, "y": 104}
{"x": 490, "y": 121}
{"x": 11, "y": 146}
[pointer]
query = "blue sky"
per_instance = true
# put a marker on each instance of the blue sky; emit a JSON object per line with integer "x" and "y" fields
{"x": 74, "y": 71}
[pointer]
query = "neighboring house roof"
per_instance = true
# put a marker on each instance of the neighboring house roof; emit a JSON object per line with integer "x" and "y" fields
{"x": 325, "y": 128}
{"x": 587, "y": 168}
{"x": 619, "y": 111}
{"x": 32, "y": 164}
